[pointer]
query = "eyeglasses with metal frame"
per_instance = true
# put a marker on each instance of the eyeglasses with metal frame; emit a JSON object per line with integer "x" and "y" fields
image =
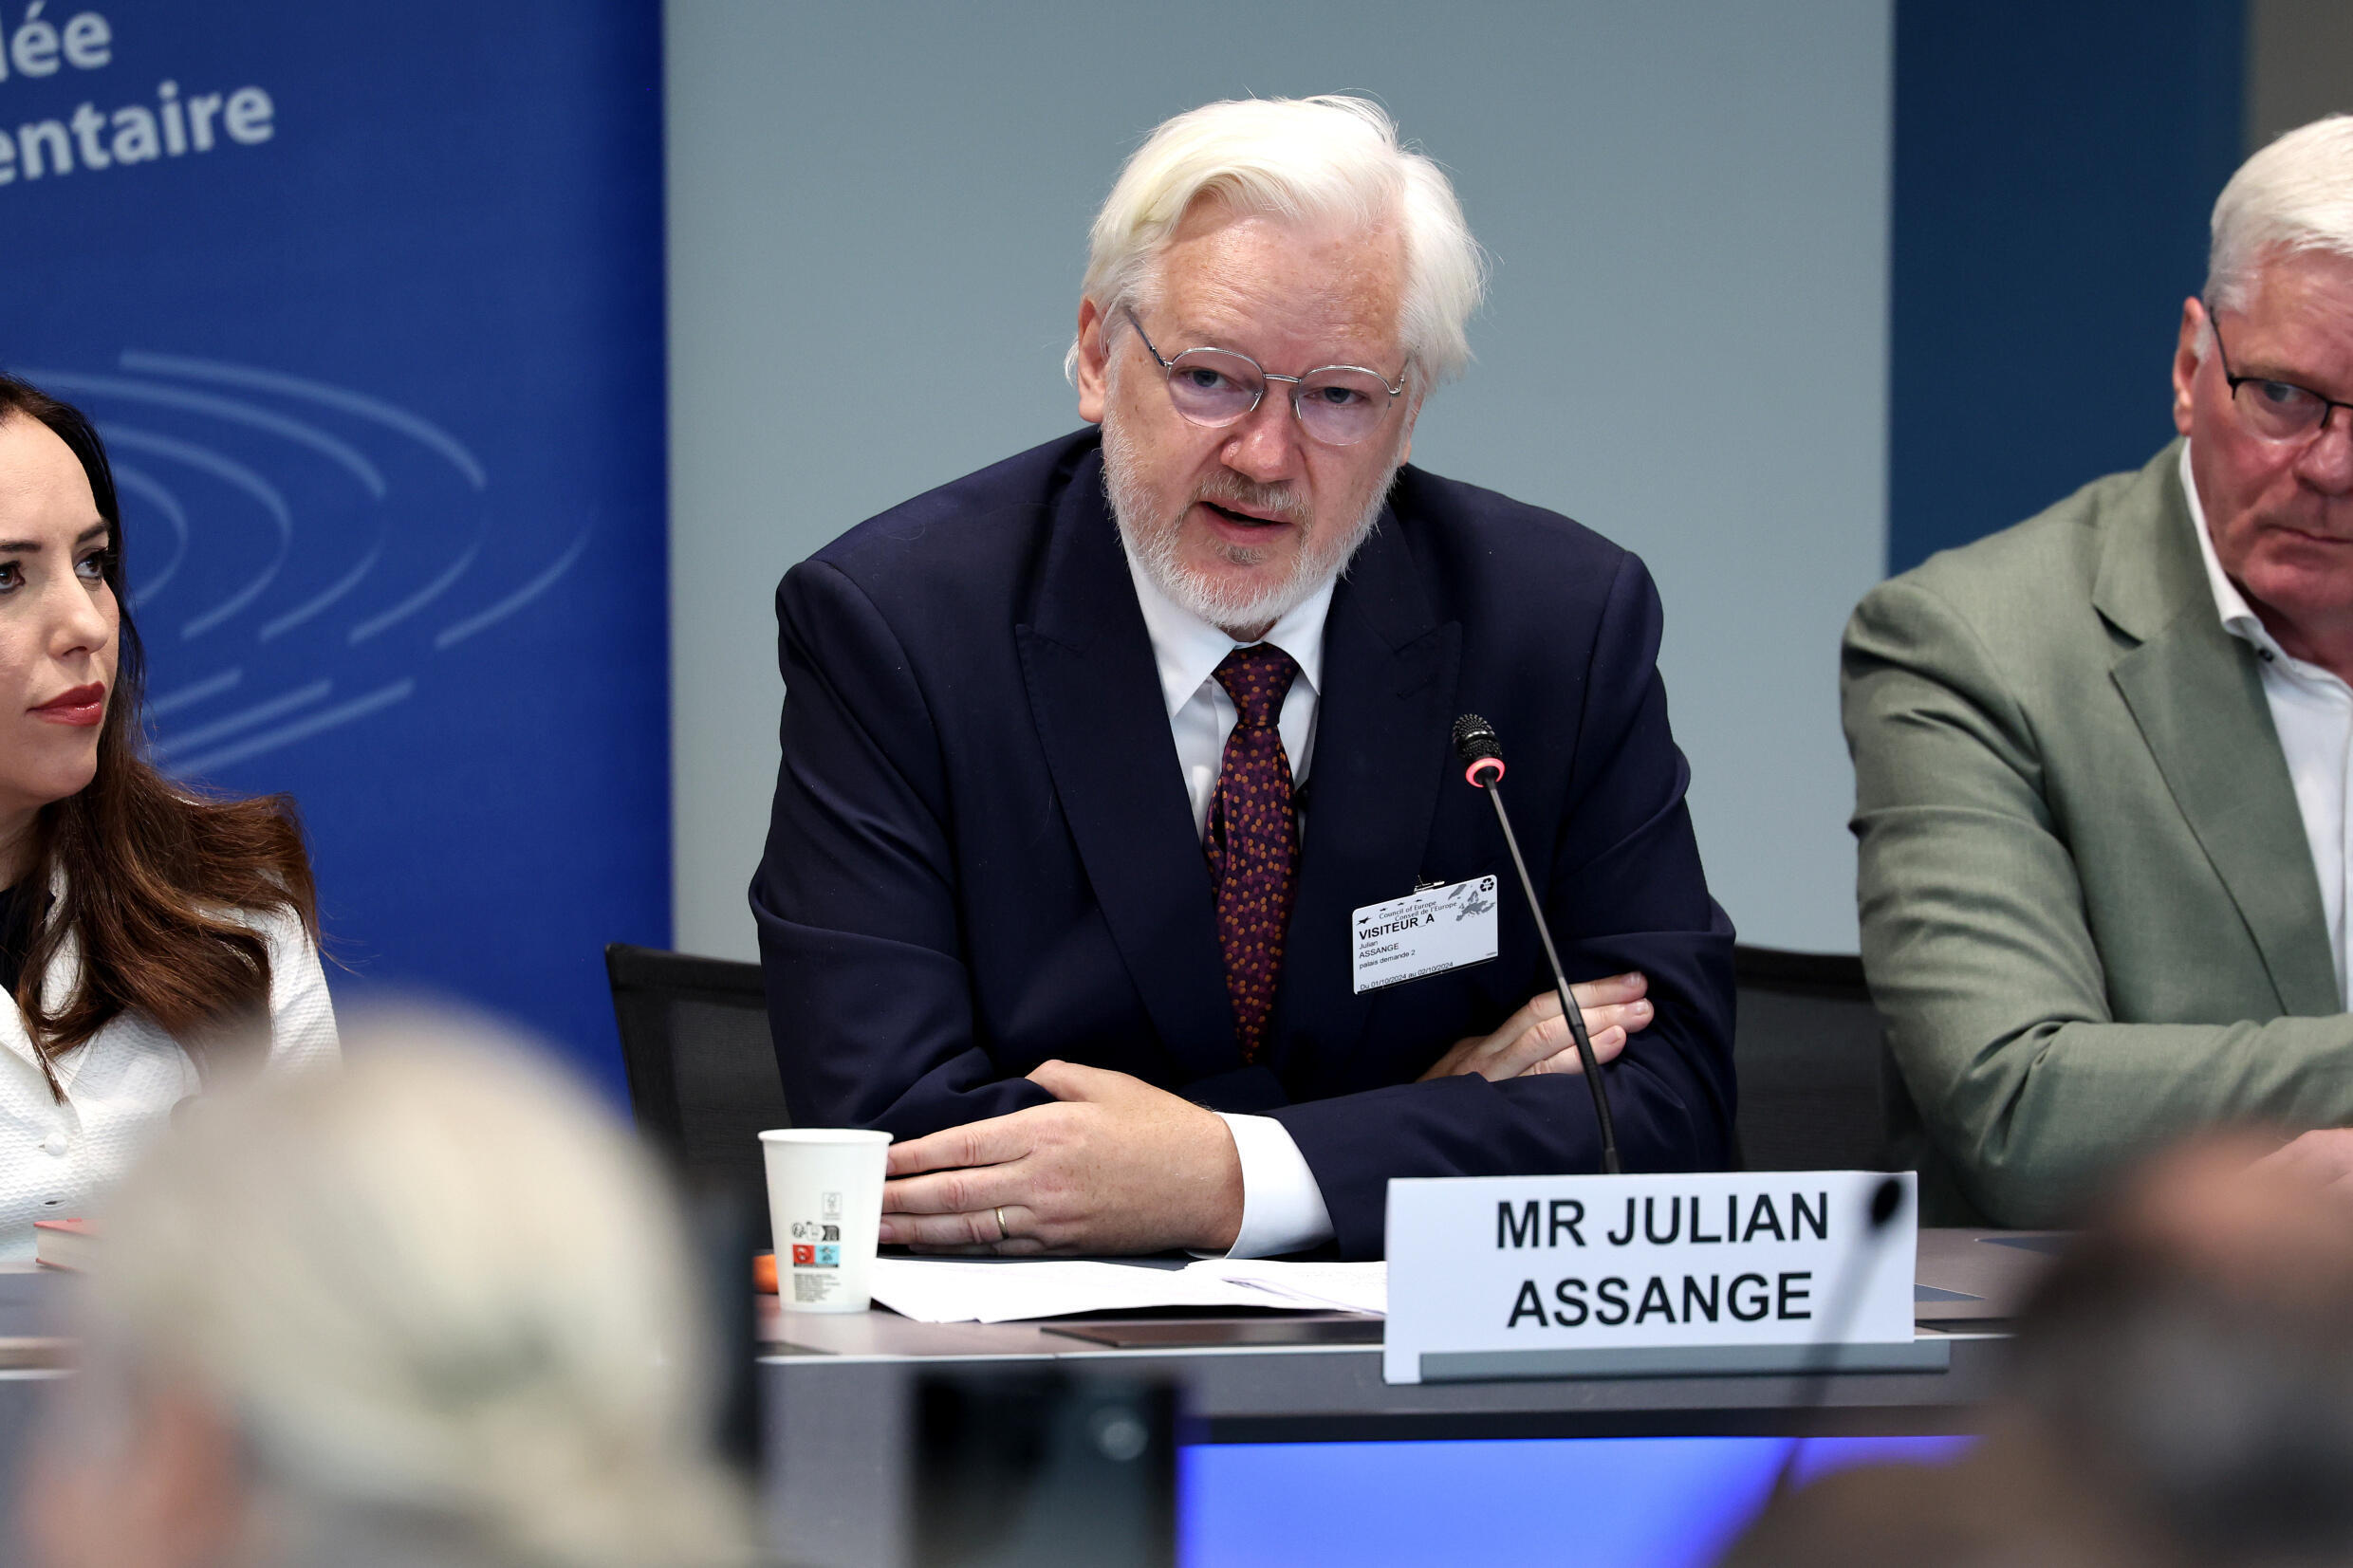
{"x": 2278, "y": 411}
{"x": 1339, "y": 405}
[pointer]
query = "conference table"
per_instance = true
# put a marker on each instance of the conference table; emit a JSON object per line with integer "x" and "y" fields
{"x": 835, "y": 1392}
{"x": 837, "y": 1407}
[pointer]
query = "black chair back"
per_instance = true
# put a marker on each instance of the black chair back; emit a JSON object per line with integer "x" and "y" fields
{"x": 1818, "y": 1089}
{"x": 702, "y": 1067}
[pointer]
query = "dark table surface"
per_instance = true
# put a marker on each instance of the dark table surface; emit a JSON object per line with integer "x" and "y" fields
{"x": 834, "y": 1390}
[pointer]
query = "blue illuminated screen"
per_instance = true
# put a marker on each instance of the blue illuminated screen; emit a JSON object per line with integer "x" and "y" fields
{"x": 1597, "y": 1502}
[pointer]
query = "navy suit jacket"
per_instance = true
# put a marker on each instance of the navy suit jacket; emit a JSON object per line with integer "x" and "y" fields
{"x": 983, "y": 856}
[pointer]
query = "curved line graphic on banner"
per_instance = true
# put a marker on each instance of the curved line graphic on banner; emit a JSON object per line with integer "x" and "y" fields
{"x": 144, "y": 485}
{"x": 261, "y": 712}
{"x": 233, "y": 473}
{"x": 226, "y": 374}
{"x": 359, "y": 707}
{"x": 225, "y": 469}
{"x": 418, "y": 599}
{"x": 188, "y": 697}
{"x": 336, "y": 450}
{"x": 273, "y": 630}
{"x": 399, "y": 558}
{"x": 460, "y": 630}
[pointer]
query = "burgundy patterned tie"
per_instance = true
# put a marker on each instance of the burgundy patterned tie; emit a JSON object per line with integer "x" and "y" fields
{"x": 1253, "y": 841}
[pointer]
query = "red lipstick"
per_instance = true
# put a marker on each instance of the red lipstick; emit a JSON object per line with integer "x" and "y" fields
{"x": 82, "y": 706}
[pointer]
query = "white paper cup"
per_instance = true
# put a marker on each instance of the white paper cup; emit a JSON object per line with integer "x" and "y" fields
{"x": 825, "y": 1202}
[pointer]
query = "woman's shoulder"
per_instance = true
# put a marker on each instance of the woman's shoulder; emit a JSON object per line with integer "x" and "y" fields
{"x": 301, "y": 1013}
{"x": 278, "y": 924}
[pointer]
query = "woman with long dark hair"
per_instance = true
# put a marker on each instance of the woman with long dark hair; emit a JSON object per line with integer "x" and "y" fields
{"x": 150, "y": 936}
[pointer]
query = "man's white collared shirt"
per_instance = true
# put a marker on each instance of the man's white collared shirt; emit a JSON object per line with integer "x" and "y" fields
{"x": 1283, "y": 1209}
{"x": 2313, "y": 710}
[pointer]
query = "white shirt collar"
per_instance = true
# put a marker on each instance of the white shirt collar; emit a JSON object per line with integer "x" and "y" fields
{"x": 1188, "y": 649}
{"x": 2238, "y": 618}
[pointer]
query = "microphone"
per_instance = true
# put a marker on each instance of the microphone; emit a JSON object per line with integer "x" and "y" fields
{"x": 1482, "y": 757}
{"x": 1822, "y": 1355}
{"x": 1481, "y": 752}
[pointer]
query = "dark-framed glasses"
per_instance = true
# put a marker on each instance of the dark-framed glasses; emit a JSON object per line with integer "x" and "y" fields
{"x": 1338, "y": 405}
{"x": 2276, "y": 411}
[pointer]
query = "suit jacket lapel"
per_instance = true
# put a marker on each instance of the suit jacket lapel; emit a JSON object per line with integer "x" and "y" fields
{"x": 2197, "y": 693}
{"x": 1096, "y": 697}
{"x": 1381, "y": 739}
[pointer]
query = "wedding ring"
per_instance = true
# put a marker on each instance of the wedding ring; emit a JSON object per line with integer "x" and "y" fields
{"x": 1001, "y": 1232}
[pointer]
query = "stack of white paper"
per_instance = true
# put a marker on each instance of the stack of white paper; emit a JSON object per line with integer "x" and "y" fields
{"x": 1328, "y": 1287}
{"x": 1004, "y": 1290}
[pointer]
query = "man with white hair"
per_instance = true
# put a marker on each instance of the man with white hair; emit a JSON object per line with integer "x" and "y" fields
{"x": 2100, "y": 758}
{"x": 434, "y": 1308}
{"x": 1095, "y": 761}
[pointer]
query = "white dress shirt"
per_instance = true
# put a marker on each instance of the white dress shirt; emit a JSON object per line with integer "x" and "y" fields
{"x": 1283, "y": 1209}
{"x": 122, "y": 1084}
{"x": 2313, "y": 710}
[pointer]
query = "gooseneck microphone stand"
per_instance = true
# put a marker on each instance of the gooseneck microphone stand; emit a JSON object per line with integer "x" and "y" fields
{"x": 1482, "y": 756}
{"x": 1822, "y": 1355}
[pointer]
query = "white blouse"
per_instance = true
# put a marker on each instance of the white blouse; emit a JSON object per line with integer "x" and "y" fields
{"x": 122, "y": 1084}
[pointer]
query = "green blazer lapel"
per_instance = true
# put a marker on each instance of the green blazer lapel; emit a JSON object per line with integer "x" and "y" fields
{"x": 2197, "y": 693}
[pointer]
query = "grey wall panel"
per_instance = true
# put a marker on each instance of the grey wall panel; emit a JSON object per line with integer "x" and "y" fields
{"x": 877, "y": 224}
{"x": 2299, "y": 65}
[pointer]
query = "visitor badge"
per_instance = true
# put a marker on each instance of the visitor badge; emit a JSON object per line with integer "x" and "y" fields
{"x": 1428, "y": 932}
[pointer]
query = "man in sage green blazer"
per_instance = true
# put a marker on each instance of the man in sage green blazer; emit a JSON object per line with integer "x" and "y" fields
{"x": 2101, "y": 757}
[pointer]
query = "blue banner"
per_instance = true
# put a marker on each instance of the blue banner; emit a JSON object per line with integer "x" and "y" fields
{"x": 367, "y": 302}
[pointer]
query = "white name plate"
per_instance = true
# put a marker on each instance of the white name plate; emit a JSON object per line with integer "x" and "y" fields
{"x": 1650, "y": 1276}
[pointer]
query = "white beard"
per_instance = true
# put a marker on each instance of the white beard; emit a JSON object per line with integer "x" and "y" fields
{"x": 1234, "y": 609}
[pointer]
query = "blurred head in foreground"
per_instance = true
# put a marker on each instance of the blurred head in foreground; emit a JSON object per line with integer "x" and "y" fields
{"x": 2182, "y": 1393}
{"x": 434, "y": 1308}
